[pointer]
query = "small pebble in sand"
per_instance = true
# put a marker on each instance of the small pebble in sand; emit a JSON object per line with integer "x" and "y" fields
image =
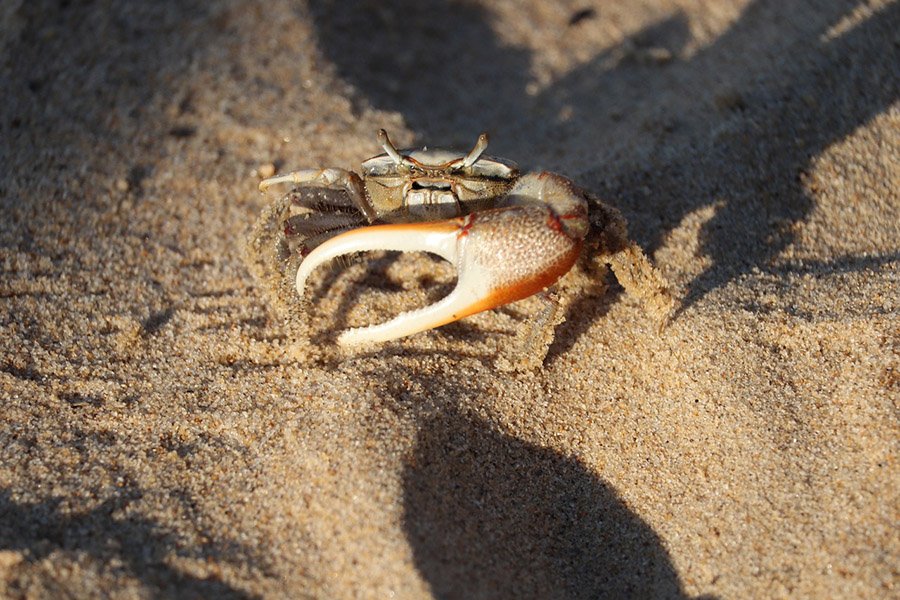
{"x": 265, "y": 171}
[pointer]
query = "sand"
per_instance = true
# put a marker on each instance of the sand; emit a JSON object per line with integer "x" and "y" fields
{"x": 164, "y": 432}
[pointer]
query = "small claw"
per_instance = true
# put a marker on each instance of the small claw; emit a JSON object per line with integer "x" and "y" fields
{"x": 294, "y": 177}
{"x": 501, "y": 256}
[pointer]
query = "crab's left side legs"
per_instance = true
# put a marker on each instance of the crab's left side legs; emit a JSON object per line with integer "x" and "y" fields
{"x": 342, "y": 179}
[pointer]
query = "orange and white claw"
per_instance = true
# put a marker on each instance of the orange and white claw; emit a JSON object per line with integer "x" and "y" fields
{"x": 501, "y": 256}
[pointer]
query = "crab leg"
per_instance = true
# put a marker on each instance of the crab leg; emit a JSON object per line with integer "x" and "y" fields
{"x": 501, "y": 256}
{"x": 329, "y": 178}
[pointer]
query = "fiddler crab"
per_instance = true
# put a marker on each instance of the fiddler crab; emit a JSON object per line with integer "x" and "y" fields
{"x": 509, "y": 235}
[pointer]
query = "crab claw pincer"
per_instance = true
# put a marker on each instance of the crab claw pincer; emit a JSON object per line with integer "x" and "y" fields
{"x": 501, "y": 255}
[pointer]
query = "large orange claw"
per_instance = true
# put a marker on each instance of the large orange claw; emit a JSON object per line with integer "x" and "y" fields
{"x": 501, "y": 255}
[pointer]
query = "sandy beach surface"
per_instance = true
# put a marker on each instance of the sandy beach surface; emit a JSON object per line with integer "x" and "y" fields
{"x": 166, "y": 430}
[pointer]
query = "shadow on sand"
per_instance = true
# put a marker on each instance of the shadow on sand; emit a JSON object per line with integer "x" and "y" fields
{"x": 140, "y": 544}
{"x": 491, "y": 516}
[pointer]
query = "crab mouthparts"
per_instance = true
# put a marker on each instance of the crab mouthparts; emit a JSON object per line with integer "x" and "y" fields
{"x": 430, "y": 185}
{"x": 432, "y": 197}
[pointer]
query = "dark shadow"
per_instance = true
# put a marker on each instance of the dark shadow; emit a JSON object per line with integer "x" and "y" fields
{"x": 672, "y": 135}
{"x": 490, "y": 516}
{"x": 843, "y": 85}
{"x": 140, "y": 544}
{"x": 79, "y": 81}
{"x": 438, "y": 63}
{"x": 836, "y": 266}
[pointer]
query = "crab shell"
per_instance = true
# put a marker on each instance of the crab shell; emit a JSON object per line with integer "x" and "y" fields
{"x": 435, "y": 183}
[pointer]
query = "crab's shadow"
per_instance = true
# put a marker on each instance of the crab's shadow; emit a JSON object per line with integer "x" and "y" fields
{"x": 665, "y": 138}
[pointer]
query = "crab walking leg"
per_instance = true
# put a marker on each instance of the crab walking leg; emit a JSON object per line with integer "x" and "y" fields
{"x": 501, "y": 256}
{"x": 339, "y": 178}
